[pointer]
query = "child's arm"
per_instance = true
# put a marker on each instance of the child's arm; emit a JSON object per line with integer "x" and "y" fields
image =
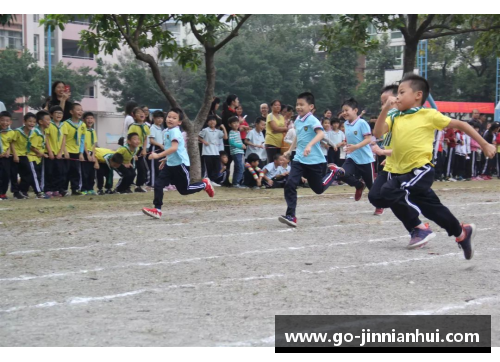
{"x": 80, "y": 157}
{"x": 224, "y": 130}
{"x": 488, "y": 149}
{"x": 236, "y": 144}
{"x": 152, "y": 140}
{"x": 14, "y": 153}
{"x": 93, "y": 152}
{"x": 63, "y": 148}
{"x": 366, "y": 141}
{"x": 381, "y": 127}
{"x": 96, "y": 163}
{"x": 203, "y": 141}
{"x": 144, "y": 151}
{"x": 37, "y": 152}
{"x": 320, "y": 134}
{"x": 49, "y": 150}
{"x": 169, "y": 151}
{"x": 292, "y": 147}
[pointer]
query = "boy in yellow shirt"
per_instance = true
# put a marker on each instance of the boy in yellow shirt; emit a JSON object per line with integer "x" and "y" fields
{"x": 6, "y": 138}
{"x": 127, "y": 168}
{"x": 106, "y": 161}
{"x": 73, "y": 144}
{"x": 37, "y": 155}
{"x": 143, "y": 131}
{"x": 54, "y": 165}
{"x": 88, "y": 172}
{"x": 405, "y": 184}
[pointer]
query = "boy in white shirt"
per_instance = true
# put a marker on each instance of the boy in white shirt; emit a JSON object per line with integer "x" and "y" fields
{"x": 255, "y": 140}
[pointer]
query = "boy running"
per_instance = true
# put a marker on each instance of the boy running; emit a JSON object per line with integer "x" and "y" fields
{"x": 405, "y": 184}
{"x": 309, "y": 160}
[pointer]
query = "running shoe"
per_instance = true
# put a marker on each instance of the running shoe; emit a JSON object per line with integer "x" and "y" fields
{"x": 41, "y": 195}
{"x": 359, "y": 191}
{"x": 288, "y": 220}
{"x": 467, "y": 244}
{"x": 420, "y": 237}
{"x": 91, "y": 193}
{"x": 19, "y": 196}
{"x": 3, "y": 197}
{"x": 208, "y": 187}
{"x": 215, "y": 184}
{"x": 77, "y": 193}
{"x": 25, "y": 195}
{"x": 154, "y": 213}
{"x": 379, "y": 212}
{"x": 139, "y": 189}
{"x": 100, "y": 193}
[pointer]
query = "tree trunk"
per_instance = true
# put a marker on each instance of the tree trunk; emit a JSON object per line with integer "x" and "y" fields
{"x": 410, "y": 56}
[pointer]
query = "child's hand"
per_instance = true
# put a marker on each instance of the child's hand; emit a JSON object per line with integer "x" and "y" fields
{"x": 127, "y": 165}
{"x": 489, "y": 150}
{"x": 96, "y": 166}
{"x": 244, "y": 147}
{"x": 307, "y": 151}
{"x": 350, "y": 148}
{"x": 45, "y": 155}
{"x": 270, "y": 182}
{"x": 143, "y": 152}
{"x": 382, "y": 163}
{"x": 206, "y": 143}
{"x": 391, "y": 103}
{"x": 162, "y": 164}
{"x": 153, "y": 156}
{"x": 66, "y": 155}
{"x": 335, "y": 149}
{"x": 51, "y": 155}
{"x": 16, "y": 159}
{"x": 136, "y": 158}
{"x": 81, "y": 158}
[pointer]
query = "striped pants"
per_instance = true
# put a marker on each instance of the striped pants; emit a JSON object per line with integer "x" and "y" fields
{"x": 31, "y": 175}
{"x": 409, "y": 195}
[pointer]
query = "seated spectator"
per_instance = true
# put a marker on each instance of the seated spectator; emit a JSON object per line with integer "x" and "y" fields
{"x": 270, "y": 171}
{"x": 252, "y": 177}
{"x": 223, "y": 169}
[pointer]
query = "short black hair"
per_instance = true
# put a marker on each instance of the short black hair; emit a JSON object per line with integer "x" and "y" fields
{"x": 5, "y": 114}
{"x": 252, "y": 158}
{"x": 289, "y": 108}
{"x": 307, "y": 96}
{"x": 117, "y": 158}
{"x": 276, "y": 156}
{"x": 121, "y": 141}
{"x": 390, "y": 88}
{"x": 129, "y": 106}
{"x": 351, "y": 102}
{"x": 41, "y": 114}
{"x": 28, "y": 116}
{"x": 157, "y": 114}
{"x": 130, "y": 135}
{"x": 222, "y": 153}
{"x": 73, "y": 105}
{"x": 335, "y": 120}
{"x": 211, "y": 117}
{"x": 88, "y": 114}
{"x": 55, "y": 109}
{"x": 259, "y": 119}
{"x": 326, "y": 119}
{"x": 178, "y": 111}
{"x": 233, "y": 119}
{"x": 418, "y": 83}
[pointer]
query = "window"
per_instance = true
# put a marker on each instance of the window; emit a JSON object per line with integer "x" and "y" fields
{"x": 396, "y": 34}
{"x": 11, "y": 39}
{"x": 398, "y": 55}
{"x": 36, "y": 46}
{"x": 36, "y": 18}
{"x": 90, "y": 92}
{"x": 372, "y": 31}
{"x": 71, "y": 49}
{"x": 80, "y": 19}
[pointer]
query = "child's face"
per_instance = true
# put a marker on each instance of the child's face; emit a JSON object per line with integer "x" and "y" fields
{"x": 335, "y": 125}
{"x": 259, "y": 126}
{"x": 302, "y": 107}
{"x": 239, "y": 111}
{"x": 279, "y": 161}
{"x": 407, "y": 97}
{"x": 114, "y": 164}
{"x": 158, "y": 120}
{"x": 224, "y": 159}
{"x": 77, "y": 112}
{"x": 284, "y": 162}
{"x": 342, "y": 128}
{"x": 173, "y": 120}
{"x": 254, "y": 164}
{"x": 30, "y": 123}
{"x": 139, "y": 116}
{"x": 234, "y": 126}
{"x": 349, "y": 113}
{"x": 57, "y": 116}
{"x": 89, "y": 121}
{"x": 327, "y": 126}
{"x": 134, "y": 141}
{"x": 146, "y": 111}
{"x": 45, "y": 121}
{"x": 4, "y": 122}
{"x": 212, "y": 123}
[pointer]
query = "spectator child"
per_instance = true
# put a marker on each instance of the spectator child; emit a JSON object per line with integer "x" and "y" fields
{"x": 255, "y": 140}
{"x": 342, "y": 152}
{"x": 309, "y": 160}
{"x": 244, "y": 127}
{"x": 88, "y": 170}
{"x": 462, "y": 149}
{"x": 252, "y": 177}
{"x": 223, "y": 169}
{"x": 270, "y": 171}
{"x": 127, "y": 168}
{"x": 211, "y": 139}
{"x": 6, "y": 145}
{"x": 156, "y": 144}
{"x": 237, "y": 149}
{"x": 490, "y": 162}
{"x": 175, "y": 170}
{"x": 54, "y": 168}
{"x": 73, "y": 143}
{"x": 105, "y": 162}
{"x": 475, "y": 156}
{"x": 338, "y": 138}
{"x": 143, "y": 131}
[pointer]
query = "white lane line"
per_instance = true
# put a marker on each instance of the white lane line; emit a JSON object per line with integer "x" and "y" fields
{"x": 254, "y": 342}
{"x": 58, "y": 249}
{"x": 190, "y": 260}
{"x": 85, "y": 300}
{"x": 453, "y": 307}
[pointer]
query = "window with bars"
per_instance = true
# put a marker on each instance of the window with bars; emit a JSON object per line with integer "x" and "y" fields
{"x": 36, "y": 46}
{"x": 71, "y": 49}
{"x": 11, "y": 39}
{"x": 398, "y": 55}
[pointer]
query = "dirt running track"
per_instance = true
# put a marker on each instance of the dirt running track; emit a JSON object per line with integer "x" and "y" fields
{"x": 214, "y": 272}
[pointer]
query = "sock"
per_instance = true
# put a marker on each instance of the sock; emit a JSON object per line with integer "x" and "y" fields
{"x": 462, "y": 235}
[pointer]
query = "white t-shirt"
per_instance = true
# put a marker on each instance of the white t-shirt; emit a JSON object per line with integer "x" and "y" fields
{"x": 257, "y": 138}
{"x": 126, "y": 124}
{"x": 214, "y": 138}
{"x": 2, "y": 107}
{"x": 272, "y": 170}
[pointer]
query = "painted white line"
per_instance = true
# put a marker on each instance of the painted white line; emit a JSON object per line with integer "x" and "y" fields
{"x": 85, "y": 300}
{"x": 452, "y": 307}
{"x": 58, "y": 249}
{"x": 255, "y": 342}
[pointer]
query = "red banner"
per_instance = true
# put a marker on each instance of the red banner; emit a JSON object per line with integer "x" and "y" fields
{"x": 464, "y": 107}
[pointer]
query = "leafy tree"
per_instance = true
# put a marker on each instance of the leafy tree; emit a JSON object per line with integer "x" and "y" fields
{"x": 352, "y": 29}
{"x": 108, "y": 32}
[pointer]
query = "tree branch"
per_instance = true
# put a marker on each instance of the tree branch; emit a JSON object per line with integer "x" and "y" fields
{"x": 125, "y": 21}
{"x": 220, "y": 16}
{"x": 429, "y": 35}
{"x": 120, "y": 28}
{"x": 233, "y": 33}
{"x": 138, "y": 29}
{"x": 425, "y": 24}
{"x": 197, "y": 34}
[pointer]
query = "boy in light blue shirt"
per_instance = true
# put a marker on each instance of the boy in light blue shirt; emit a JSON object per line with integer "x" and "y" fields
{"x": 155, "y": 144}
{"x": 309, "y": 160}
{"x": 358, "y": 165}
{"x": 175, "y": 171}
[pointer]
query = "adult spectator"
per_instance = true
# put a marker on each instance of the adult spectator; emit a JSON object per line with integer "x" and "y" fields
{"x": 327, "y": 114}
{"x": 228, "y": 111}
{"x": 264, "y": 110}
{"x": 129, "y": 107}
{"x": 475, "y": 119}
{"x": 148, "y": 120}
{"x": 275, "y": 128}
{"x": 60, "y": 97}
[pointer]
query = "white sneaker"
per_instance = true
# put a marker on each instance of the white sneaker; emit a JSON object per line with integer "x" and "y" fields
{"x": 452, "y": 179}
{"x": 214, "y": 184}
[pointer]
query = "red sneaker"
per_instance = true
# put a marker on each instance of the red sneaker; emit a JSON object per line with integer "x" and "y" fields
{"x": 208, "y": 188}
{"x": 359, "y": 192}
{"x": 154, "y": 213}
{"x": 378, "y": 212}
{"x": 3, "y": 197}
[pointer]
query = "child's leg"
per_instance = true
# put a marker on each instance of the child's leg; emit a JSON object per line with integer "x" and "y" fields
{"x": 48, "y": 175}
{"x": 460, "y": 165}
{"x": 4, "y": 175}
{"x": 213, "y": 167}
{"x": 142, "y": 171}
{"x": 180, "y": 179}
{"x": 314, "y": 175}
{"x": 24, "y": 174}
{"x": 75, "y": 172}
{"x": 449, "y": 162}
{"x": 127, "y": 178}
{"x": 294, "y": 178}
{"x": 163, "y": 179}
{"x": 39, "y": 179}
{"x": 14, "y": 171}
{"x": 100, "y": 174}
{"x": 367, "y": 173}
{"x": 238, "y": 169}
{"x": 351, "y": 175}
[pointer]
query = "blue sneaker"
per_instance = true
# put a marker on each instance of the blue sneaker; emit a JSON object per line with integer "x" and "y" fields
{"x": 288, "y": 220}
{"x": 466, "y": 244}
{"x": 420, "y": 237}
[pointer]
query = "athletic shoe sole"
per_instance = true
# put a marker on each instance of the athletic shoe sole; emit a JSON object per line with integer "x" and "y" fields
{"x": 154, "y": 216}
{"x": 422, "y": 242}
{"x": 473, "y": 234}
{"x": 287, "y": 222}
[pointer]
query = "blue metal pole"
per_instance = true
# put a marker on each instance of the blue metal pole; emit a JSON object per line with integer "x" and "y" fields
{"x": 497, "y": 98}
{"x": 431, "y": 102}
{"x": 49, "y": 41}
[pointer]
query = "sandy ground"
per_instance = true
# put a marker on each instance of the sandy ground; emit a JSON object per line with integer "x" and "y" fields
{"x": 94, "y": 271}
